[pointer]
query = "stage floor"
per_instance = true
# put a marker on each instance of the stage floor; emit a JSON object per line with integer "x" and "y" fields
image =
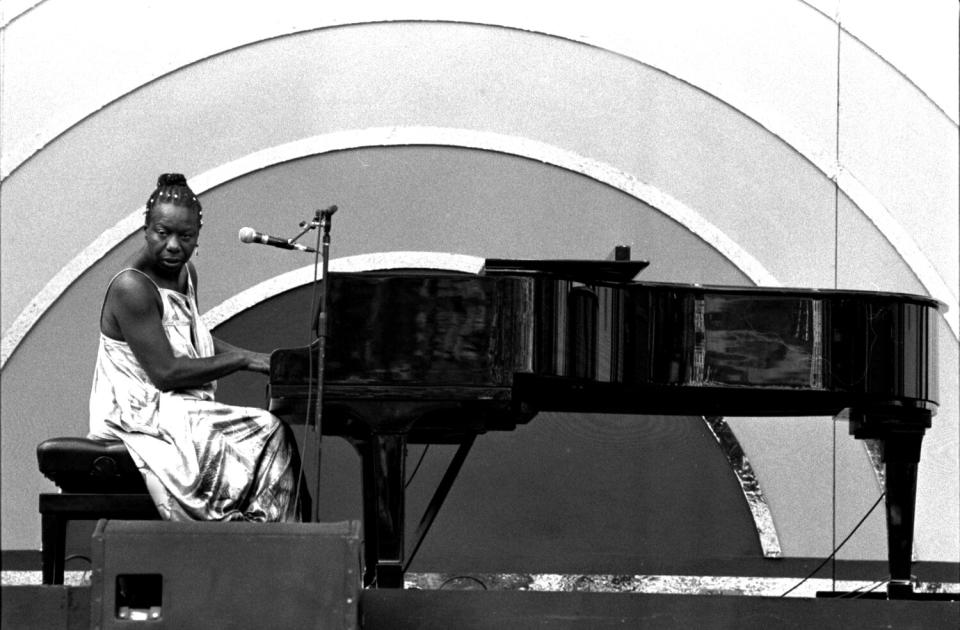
{"x": 754, "y": 586}
{"x": 518, "y": 601}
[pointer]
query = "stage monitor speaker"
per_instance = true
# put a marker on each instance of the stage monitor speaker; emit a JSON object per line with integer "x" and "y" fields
{"x": 159, "y": 574}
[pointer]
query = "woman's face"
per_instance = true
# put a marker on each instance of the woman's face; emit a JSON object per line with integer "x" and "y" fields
{"x": 171, "y": 234}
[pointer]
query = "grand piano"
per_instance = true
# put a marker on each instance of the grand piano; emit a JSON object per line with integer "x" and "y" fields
{"x": 420, "y": 356}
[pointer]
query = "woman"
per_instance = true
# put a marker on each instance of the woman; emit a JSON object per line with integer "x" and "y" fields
{"x": 153, "y": 387}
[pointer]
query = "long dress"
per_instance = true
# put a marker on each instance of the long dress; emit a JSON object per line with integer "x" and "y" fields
{"x": 200, "y": 459}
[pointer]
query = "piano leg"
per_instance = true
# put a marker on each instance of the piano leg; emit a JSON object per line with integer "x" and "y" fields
{"x": 384, "y": 471}
{"x": 901, "y": 433}
{"x": 901, "y": 455}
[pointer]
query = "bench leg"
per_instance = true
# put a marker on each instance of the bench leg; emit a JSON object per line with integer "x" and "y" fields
{"x": 53, "y": 547}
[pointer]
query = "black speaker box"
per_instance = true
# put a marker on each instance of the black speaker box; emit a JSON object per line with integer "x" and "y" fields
{"x": 159, "y": 574}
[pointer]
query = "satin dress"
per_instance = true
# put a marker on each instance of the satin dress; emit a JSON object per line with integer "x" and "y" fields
{"x": 200, "y": 459}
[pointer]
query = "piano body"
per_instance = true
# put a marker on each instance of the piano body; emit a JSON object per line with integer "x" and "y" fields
{"x": 438, "y": 357}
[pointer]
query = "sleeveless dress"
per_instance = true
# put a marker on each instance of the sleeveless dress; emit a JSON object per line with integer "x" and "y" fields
{"x": 200, "y": 459}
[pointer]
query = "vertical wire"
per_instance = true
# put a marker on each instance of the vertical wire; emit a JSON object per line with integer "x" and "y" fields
{"x": 836, "y": 282}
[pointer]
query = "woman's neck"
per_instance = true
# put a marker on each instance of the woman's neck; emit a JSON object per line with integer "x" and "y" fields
{"x": 173, "y": 279}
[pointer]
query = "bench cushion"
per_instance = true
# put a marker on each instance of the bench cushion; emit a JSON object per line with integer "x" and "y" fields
{"x": 85, "y": 465}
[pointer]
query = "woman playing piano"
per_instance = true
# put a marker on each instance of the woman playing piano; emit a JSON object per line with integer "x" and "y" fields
{"x": 154, "y": 383}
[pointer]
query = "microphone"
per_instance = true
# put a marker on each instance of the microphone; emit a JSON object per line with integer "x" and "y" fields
{"x": 249, "y": 235}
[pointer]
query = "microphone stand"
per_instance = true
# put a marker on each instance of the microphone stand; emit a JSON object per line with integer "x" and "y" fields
{"x": 321, "y": 219}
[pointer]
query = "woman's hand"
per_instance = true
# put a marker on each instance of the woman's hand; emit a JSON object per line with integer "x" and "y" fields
{"x": 252, "y": 361}
{"x": 258, "y": 362}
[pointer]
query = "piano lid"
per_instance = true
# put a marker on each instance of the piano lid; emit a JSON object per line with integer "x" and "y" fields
{"x": 577, "y": 270}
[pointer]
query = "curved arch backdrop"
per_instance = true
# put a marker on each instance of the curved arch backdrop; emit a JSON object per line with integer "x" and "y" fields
{"x": 748, "y": 149}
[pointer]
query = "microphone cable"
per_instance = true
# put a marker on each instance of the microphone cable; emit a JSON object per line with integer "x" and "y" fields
{"x": 858, "y": 593}
{"x": 426, "y": 447}
{"x": 314, "y": 337}
{"x": 839, "y": 547}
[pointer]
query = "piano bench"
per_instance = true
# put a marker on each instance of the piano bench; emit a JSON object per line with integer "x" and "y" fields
{"x": 97, "y": 480}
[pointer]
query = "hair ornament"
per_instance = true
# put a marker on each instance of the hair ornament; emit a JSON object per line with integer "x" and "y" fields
{"x": 173, "y": 188}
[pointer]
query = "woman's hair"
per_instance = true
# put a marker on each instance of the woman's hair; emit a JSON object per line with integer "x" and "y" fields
{"x": 172, "y": 188}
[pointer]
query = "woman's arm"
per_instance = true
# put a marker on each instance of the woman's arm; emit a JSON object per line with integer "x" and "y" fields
{"x": 257, "y": 361}
{"x": 133, "y": 303}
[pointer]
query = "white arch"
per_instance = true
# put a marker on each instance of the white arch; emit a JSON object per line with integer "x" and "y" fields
{"x": 392, "y": 136}
{"x": 288, "y": 21}
{"x": 773, "y": 121}
{"x": 524, "y": 147}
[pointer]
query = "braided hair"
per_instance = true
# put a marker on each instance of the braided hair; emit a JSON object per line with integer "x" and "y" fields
{"x": 172, "y": 188}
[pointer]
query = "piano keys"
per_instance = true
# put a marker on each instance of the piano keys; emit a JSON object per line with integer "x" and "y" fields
{"x": 437, "y": 357}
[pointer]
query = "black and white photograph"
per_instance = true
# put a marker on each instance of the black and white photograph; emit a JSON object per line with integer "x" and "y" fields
{"x": 481, "y": 315}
